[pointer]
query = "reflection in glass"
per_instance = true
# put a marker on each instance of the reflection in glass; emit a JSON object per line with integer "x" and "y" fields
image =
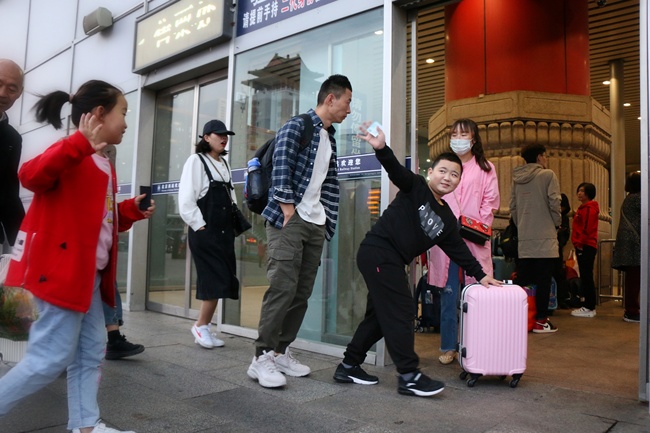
{"x": 167, "y": 241}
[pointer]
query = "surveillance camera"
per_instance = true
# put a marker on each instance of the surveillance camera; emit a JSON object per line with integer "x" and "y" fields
{"x": 601, "y": 3}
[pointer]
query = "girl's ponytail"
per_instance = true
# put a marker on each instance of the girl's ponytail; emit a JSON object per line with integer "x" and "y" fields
{"x": 91, "y": 94}
{"x": 48, "y": 108}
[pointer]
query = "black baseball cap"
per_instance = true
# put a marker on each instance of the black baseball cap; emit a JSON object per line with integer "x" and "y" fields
{"x": 216, "y": 126}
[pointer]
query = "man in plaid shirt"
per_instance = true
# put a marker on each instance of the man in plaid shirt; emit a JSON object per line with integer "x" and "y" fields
{"x": 301, "y": 213}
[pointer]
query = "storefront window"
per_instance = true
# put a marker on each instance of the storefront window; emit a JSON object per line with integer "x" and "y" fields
{"x": 280, "y": 80}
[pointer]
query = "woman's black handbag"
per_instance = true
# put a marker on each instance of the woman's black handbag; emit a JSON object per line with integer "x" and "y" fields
{"x": 239, "y": 222}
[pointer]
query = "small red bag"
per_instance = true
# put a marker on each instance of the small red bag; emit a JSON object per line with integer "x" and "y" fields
{"x": 474, "y": 230}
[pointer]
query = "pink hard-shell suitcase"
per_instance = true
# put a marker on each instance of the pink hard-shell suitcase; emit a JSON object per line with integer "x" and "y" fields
{"x": 493, "y": 332}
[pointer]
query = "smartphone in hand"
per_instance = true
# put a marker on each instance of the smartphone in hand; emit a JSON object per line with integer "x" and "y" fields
{"x": 146, "y": 202}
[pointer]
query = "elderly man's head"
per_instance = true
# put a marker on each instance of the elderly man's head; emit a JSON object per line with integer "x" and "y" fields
{"x": 11, "y": 84}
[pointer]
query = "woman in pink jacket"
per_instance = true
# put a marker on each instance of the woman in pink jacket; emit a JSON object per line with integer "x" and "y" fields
{"x": 477, "y": 196}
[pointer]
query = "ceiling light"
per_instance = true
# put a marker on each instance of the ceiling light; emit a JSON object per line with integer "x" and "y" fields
{"x": 627, "y": 104}
{"x": 379, "y": 32}
{"x": 428, "y": 160}
{"x": 606, "y": 82}
{"x": 430, "y": 61}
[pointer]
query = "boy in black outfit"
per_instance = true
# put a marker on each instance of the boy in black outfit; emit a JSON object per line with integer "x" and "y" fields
{"x": 416, "y": 220}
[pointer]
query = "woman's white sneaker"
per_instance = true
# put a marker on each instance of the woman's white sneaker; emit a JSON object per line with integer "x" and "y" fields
{"x": 217, "y": 342}
{"x": 583, "y": 312}
{"x": 202, "y": 336}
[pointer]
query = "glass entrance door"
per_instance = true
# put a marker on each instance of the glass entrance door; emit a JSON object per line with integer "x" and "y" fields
{"x": 181, "y": 113}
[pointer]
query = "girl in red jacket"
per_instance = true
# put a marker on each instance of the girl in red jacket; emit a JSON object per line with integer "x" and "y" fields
{"x": 66, "y": 251}
{"x": 584, "y": 236}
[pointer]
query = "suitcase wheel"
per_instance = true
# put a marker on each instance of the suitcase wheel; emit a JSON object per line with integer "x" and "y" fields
{"x": 463, "y": 375}
{"x": 515, "y": 380}
{"x": 472, "y": 380}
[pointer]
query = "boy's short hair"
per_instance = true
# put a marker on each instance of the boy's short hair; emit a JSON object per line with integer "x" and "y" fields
{"x": 532, "y": 151}
{"x": 448, "y": 156}
{"x": 590, "y": 189}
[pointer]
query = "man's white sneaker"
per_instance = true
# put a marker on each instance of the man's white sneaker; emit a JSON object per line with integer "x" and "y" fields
{"x": 264, "y": 370}
{"x": 583, "y": 312}
{"x": 217, "y": 342}
{"x": 202, "y": 336}
{"x": 290, "y": 366}
{"x": 101, "y": 428}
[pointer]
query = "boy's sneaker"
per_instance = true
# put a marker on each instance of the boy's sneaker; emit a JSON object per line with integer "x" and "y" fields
{"x": 121, "y": 348}
{"x": 216, "y": 342}
{"x": 290, "y": 366}
{"x": 354, "y": 374}
{"x": 421, "y": 385}
{"x": 583, "y": 312}
{"x": 632, "y": 318}
{"x": 101, "y": 428}
{"x": 544, "y": 327}
{"x": 202, "y": 336}
{"x": 264, "y": 370}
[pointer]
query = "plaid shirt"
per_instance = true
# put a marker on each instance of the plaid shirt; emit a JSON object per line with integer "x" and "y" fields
{"x": 292, "y": 172}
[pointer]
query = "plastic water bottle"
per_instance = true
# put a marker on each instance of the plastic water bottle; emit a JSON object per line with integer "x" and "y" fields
{"x": 255, "y": 174}
{"x": 428, "y": 297}
{"x": 254, "y": 164}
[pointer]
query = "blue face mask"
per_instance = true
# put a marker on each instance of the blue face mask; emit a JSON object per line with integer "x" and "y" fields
{"x": 460, "y": 146}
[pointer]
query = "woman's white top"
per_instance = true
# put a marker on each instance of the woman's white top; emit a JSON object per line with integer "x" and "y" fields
{"x": 194, "y": 184}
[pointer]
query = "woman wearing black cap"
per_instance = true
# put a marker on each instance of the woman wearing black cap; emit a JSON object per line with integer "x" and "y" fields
{"x": 205, "y": 197}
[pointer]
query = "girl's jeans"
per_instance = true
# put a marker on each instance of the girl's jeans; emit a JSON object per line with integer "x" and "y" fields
{"x": 61, "y": 339}
{"x": 449, "y": 311}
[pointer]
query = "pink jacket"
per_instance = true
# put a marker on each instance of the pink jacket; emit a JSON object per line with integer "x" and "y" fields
{"x": 478, "y": 196}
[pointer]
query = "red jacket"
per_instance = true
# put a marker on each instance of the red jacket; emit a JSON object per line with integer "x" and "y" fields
{"x": 54, "y": 255}
{"x": 585, "y": 225}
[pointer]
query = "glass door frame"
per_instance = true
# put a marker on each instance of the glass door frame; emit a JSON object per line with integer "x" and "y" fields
{"x": 186, "y": 310}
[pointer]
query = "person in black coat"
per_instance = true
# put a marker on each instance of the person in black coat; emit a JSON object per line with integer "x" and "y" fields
{"x": 627, "y": 249}
{"x": 11, "y": 208}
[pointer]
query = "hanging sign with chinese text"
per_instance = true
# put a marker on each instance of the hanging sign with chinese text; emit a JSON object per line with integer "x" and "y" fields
{"x": 178, "y": 29}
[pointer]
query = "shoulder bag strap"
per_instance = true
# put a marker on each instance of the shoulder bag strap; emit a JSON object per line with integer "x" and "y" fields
{"x": 629, "y": 223}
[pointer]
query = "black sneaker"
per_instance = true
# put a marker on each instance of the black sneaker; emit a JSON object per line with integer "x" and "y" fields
{"x": 121, "y": 348}
{"x": 354, "y": 375}
{"x": 632, "y": 318}
{"x": 421, "y": 385}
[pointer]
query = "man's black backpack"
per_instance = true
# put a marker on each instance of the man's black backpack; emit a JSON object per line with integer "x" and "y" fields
{"x": 509, "y": 241}
{"x": 258, "y": 182}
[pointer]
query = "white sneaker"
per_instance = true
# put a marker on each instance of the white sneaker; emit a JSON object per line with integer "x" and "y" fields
{"x": 290, "y": 366}
{"x": 101, "y": 428}
{"x": 583, "y": 312}
{"x": 216, "y": 342}
{"x": 202, "y": 336}
{"x": 263, "y": 369}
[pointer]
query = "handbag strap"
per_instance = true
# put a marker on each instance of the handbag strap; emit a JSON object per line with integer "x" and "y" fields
{"x": 629, "y": 223}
